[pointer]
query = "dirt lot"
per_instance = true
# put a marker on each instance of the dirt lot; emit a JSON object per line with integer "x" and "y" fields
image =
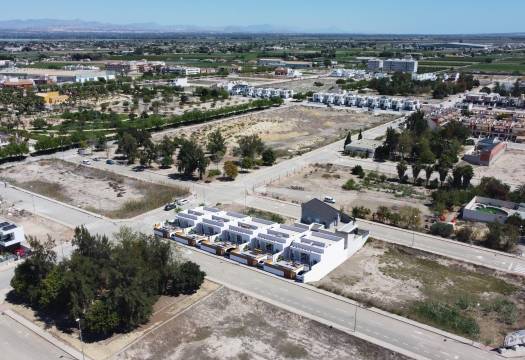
{"x": 229, "y": 325}
{"x": 164, "y": 310}
{"x": 289, "y": 130}
{"x": 89, "y": 188}
{"x": 509, "y": 168}
{"x": 319, "y": 181}
{"x": 37, "y": 226}
{"x": 407, "y": 282}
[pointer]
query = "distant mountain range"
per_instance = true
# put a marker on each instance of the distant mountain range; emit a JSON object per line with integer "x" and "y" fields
{"x": 76, "y": 25}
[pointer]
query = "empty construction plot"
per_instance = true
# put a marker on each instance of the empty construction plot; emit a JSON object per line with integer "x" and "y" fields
{"x": 230, "y": 325}
{"x": 96, "y": 190}
{"x": 471, "y": 301}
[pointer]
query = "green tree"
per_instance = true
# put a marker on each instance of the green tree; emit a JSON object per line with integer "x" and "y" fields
{"x": 230, "y": 169}
{"x": 401, "y": 170}
{"x": 429, "y": 170}
{"x": 29, "y": 275}
{"x": 191, "y": 158}
{"x": 416, "y": 169}
{"x": 502, "y": 237}
{"x": 216, "y": 145}
{"x": 129, "y": 147}
{"x": 348, "y": 140}
{"x": 268, "y": 157}
{"x": 250, "y": 145}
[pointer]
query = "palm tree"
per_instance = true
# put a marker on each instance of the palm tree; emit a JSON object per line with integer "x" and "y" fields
{"x": 429, "y": 170}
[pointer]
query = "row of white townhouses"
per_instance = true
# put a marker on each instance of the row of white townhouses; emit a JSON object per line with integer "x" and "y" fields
{"x": 299, "y": 251}
{"x": 256, "y": 92}
{"x": 372, "y": 102}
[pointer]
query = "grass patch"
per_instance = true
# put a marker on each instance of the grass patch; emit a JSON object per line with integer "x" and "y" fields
{"x": 45, "y": 188}
{"x": 266, "y": 215}
{"x": 446, "y": 317}
{"x": 154, "y": 196}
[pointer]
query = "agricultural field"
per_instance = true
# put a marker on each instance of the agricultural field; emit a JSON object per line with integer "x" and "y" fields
{"x": 96, "y": 190}
{"x": 321, "y": 180}
{"x": 230, "y": 325}
{"x": 474, "y": 302}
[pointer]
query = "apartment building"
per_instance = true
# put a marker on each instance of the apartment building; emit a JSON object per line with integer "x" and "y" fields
{"x": 371, "y": 102}
{"x": 184, "y": 70}
{"x": 305, "y": 252}
{"x": 375, "y": 65}
{"x": 400, "y": 65}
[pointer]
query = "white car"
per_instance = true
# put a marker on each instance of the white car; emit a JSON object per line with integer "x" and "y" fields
{"x": 181, "y": 202}
{"x": 329, "y": 199}
{"x": 86, "y": 162}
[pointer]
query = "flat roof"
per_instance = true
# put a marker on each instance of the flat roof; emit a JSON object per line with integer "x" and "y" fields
{"x": 52, "y": 72}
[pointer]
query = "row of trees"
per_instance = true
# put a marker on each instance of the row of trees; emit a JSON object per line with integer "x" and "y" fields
{"x": 402, "y": 84}
{"x": 111, "y": 287}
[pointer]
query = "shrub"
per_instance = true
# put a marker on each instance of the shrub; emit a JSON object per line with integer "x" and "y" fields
{"x": 464, "y": 234}
{"x": 358, "y": 170}
{"x": 351, "y": 185}
{"x": 213, "y": 173}
{"x": 441, "y": 229}
{"x": 360, "y": 212}
{"x": 447, "y": 317}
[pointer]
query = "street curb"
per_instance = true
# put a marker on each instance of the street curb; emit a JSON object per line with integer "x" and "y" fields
{"x": 44, "y": 335}
{"x": 320, "y": 320}
{"x": 402, "y": 319}
{"x": 437, "y": 238}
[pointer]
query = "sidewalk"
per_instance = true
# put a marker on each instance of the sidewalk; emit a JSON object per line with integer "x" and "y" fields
{"x": 45, "y": 335}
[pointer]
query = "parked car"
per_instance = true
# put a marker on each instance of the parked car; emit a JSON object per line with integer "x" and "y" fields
{"x": 170, "y": 206}
{"x": 181, "y": 202}
{"x": 110, "y": 162}
{"x": 86, "y": 162}
{"x": 329, "y": 199}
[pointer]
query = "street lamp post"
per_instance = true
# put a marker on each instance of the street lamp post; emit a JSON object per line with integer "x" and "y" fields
{"x": 355, "y": 317}
{"x": 81, "y": 340}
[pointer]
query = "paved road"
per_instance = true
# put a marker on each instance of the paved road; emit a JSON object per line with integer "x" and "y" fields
{"x": 374, "y": 324}
{"x": 19, "y": 343}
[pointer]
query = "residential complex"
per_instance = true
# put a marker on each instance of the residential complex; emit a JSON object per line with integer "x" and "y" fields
{"x": 304, "y": 252}
{"x": 244, "y": 89}
{"x": 371, "y": 102}
{"x": 130, "y": 67}
{"x": 393, "y": 65}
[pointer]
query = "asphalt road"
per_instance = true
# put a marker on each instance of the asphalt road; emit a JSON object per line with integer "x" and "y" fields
{"x": 334, "y": 311}
{"x": 19, "y": 343}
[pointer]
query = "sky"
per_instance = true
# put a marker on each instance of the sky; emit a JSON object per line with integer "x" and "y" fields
{"x": 361, "y": 16}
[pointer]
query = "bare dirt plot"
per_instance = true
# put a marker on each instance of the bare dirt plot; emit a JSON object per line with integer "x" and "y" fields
{"x": 441, "y": 292}
{"x": 290, "y": 129}
{"x": 37, "y": 226}
{"x": 164, "y": 310}
{"x": 509, "y": 168}
{"x": 229, "y": 325}
{"x": 92, "y": 189}
{"x": 319, "y": 181}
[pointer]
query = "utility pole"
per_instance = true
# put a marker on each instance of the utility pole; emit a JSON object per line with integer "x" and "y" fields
{"x": 81, "y": 340}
